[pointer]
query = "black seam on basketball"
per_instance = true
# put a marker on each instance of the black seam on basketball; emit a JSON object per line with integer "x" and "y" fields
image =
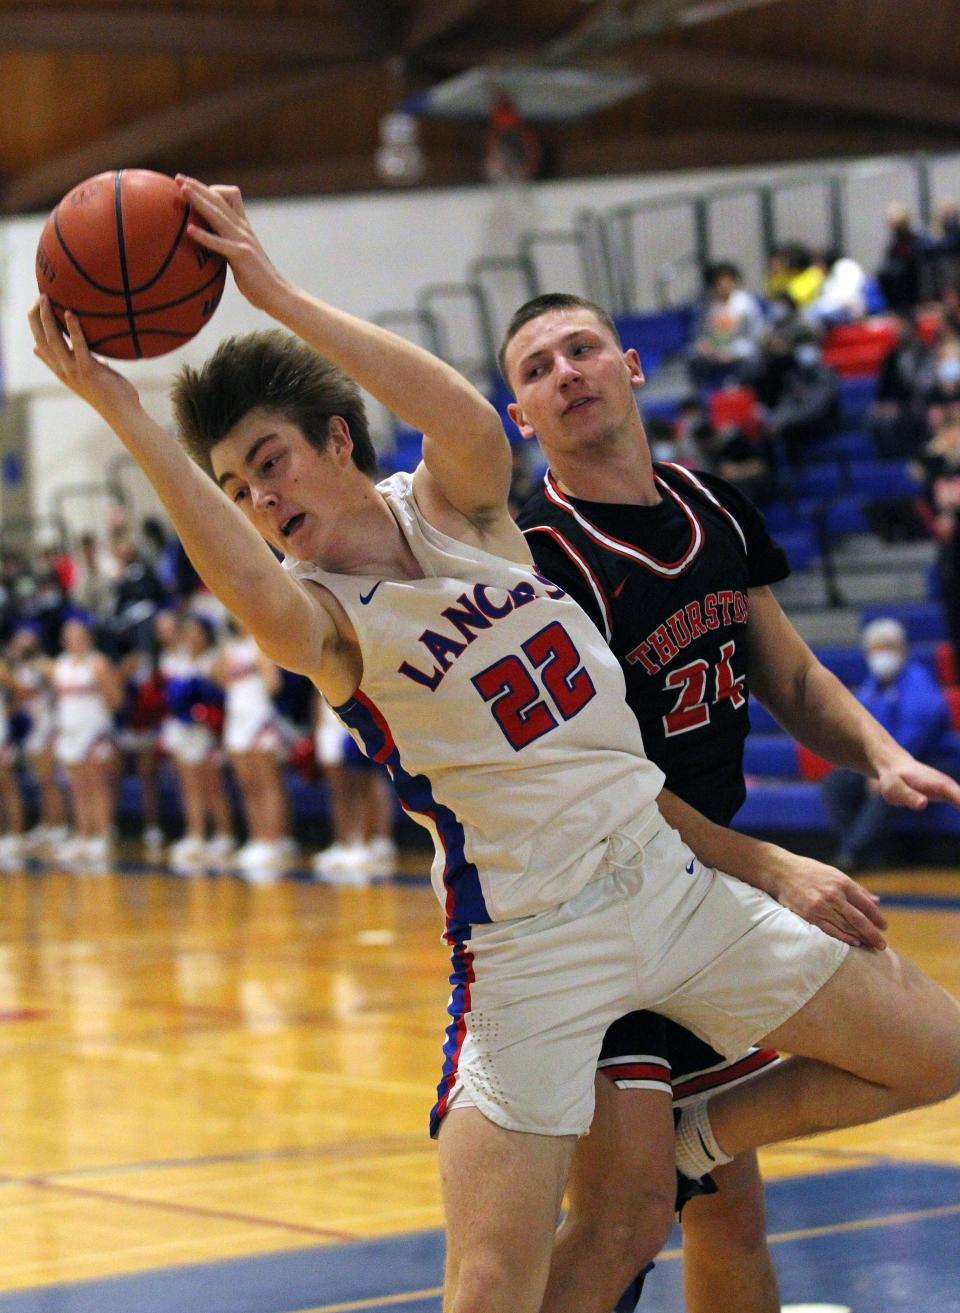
{"x": 144, "y": 310}
{"x": 98, "y": 343}
{"x": 99, "y": 287}
{"x": 122, "y": 252}
{"x": 168, "y": 257}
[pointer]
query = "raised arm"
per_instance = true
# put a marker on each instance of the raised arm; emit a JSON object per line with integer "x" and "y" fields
{"x": 465, "y": 452}
{"x": 814, "y": 707}
{"x": 291, "y": 626}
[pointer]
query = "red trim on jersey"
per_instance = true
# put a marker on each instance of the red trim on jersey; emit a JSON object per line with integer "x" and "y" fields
{"x": 669, "y": 568}
{"x": 692, "y": 478}
{"x": 453, "y": 1061}
{"x": 584, "y": 568}
{"x": 376, "y": 716}
{"x": 727, "y": 1074}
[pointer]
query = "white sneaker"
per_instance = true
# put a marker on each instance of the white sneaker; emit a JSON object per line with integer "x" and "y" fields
{"x": 153, "y": 841}
{"x": 95, "y": 856}
{"x": 262, "y": 861}
{"x": 187, "y": 856}
{"x": 13, "y": 851}
{"x": 220, "y": 852}
{"x": 381, "y": 857}
{"x": 342, "y": 863}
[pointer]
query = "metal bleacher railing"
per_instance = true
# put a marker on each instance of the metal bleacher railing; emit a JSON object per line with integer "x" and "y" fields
{"x": 649, "y": 255}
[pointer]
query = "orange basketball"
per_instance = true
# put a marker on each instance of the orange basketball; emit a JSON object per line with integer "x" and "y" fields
{"x": 115, "y": 251}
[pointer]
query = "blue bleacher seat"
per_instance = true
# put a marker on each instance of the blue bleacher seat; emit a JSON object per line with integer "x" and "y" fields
{"x": 761, "y": 722}
{"x": 853, "y": 445}
{"x": 800, "y": 545}
{"x": 770, "y": 754}
{"x": 845, "y": 515}
{"x": 823, "y": 479}
{"x": 793, "y": 805}
{"x": 662, "y": 333}
{"x": 846, "y": 663}
{"x": 856, "y": 394}
{"x": 923, "y": 621}
{"x": 877, "y": 479}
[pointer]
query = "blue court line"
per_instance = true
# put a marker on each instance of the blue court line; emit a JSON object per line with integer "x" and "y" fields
{"x": 879, "y": 1239}
{"x": 922, "y": 902}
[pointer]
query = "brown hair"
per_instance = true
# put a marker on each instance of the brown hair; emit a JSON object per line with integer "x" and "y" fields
{"x": 275, "y": 371}
{"x": 543, "y": 304}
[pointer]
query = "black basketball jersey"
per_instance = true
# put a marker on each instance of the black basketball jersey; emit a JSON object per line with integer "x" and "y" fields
{"x": 668, "y": 585}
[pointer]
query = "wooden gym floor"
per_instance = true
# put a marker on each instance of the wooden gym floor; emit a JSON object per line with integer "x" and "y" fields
{"x": 214, "y": 1097}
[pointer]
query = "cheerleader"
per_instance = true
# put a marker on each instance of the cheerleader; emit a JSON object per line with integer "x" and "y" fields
{"x": 361, "y": 808}
{"x": 87, "y": 693}
{"x": 190, "y": 734}
{"x": 32, "y": 672}
{"x": 12, "y": 849}
{"x": 254, "y": 738}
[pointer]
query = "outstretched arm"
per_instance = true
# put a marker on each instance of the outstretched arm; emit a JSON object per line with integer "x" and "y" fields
{"x": 228, "y": 553}
{"x": 465, "y": 451}
{"x": 820, "y": 894}
{"x": 814, "y": 707}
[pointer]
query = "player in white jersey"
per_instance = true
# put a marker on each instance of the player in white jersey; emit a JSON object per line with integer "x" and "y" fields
{"x": 499, "y": 709}
{"x": 87, "y": 693}
{"x": 254, "y": 739}
{"x": 32, "y": 670}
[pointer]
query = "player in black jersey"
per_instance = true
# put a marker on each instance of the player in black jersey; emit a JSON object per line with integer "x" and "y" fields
{"x": 674, "y": 568}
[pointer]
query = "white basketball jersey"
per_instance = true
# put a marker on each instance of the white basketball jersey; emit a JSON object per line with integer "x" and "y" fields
{"x": 499, "y": 711}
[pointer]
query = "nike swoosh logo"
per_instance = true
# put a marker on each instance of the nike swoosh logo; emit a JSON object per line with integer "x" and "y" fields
{"x": 620, "y": 586}
{"x": 689, "y": 867}
{"x": 365, "y": 597}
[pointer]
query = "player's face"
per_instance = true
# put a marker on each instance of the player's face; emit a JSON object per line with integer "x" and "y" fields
{"x": 573, "y": 384}
{"x": 288, "y": 489}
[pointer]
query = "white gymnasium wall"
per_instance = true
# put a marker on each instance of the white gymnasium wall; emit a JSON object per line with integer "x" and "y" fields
{"x": 367, "y": 254}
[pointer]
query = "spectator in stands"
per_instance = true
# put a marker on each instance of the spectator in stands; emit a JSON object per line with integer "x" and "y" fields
{"x": 944, "y": 390}
{"x": 791, "y": 268}
{"x": 842, "y": 298}
{"x": 135, "y": 595}
{"x": 898, "y": 416}
{"x": 901, "y": 270}
{"x": 96, "y": 572}
{"x": 944, "y": 253}
{"x": 739, "y": 453}
{"x": 809, "y": 403}
{"x": 941, "y": 464}
{"x": 774, "y": 359}
{"x": 905, "y": 698}
{"x": 729, "y": 329}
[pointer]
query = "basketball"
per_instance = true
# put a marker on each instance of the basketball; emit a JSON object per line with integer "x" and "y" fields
{"x": 115, "y": 251}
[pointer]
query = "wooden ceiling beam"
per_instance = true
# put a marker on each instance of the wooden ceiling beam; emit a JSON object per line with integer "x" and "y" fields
{"x": 429, "y": 21}
{"x": 196, "y": 32}
{"x": 144, "y": 139}
{"x": 732, "y": 146}
{"x": 810, "y": 84}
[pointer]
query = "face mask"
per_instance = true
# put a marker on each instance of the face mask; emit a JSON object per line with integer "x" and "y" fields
{"x": 808, "y": 354}
{"x": 884, "y": 664}
{"x": 948, "y": 370}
